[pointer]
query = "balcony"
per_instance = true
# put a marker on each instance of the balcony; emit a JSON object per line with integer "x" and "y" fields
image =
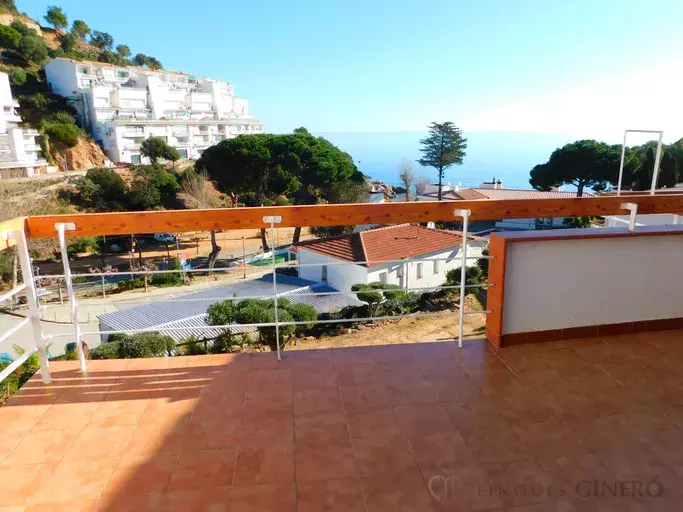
{"x": 560, "y": 407}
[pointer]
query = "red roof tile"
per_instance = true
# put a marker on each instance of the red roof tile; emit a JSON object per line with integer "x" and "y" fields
{"x": 505, "y": 193}
{"x": 386, "y": 244}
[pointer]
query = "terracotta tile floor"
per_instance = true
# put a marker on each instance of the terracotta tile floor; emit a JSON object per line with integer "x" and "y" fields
{"x": 582, "y": 425}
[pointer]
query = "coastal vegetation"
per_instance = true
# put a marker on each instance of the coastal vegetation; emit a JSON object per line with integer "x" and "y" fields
{"x": 595, "y": 165}
{"x": 298, "y": 168}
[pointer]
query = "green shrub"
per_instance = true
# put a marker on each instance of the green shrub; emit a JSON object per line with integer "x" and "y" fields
{"x": 250, "y": 314}
{"x": 267, "y": 334}
{"x": 390, "y": 291}
{"x": 17, "y": 76}
{"x": 20, "y": 376}
{"x": 221, "y": 313}
{"x": 66, "y": 134}
{"x": 133, "y": 346}
{"x": 107, "y": 350}
{"x": 194, "y": 347}
{"x": 303, "y": 313}
{"x": 367, "y": 294}
{"x": 9, "y": 37}
{"x": 130, "y": 284}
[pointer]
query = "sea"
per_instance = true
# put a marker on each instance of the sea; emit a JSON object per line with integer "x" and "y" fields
{"x": 508, "y": 156}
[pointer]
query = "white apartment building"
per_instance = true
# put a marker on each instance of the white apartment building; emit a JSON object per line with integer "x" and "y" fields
{"x": 18, "y": 148}
{"x": 122, "y": 106}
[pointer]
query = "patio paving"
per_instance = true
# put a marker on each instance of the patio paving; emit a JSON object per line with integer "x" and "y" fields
{"x": 581, "y": 425}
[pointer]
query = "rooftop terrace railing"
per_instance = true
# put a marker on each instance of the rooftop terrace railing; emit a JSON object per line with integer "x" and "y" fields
{"x": 19, "y": 231}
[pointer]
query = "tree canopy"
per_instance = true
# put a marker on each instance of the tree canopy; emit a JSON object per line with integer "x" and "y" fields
{"x": 155, "y": 148}
{"x": 584, "y": 163}
{"x": 443, "y": 147}
{"x": 305, "y": 168}
{"x": 55, "y": 16}
{"x": 102, "y": 40}
{"x": 80, "y": 29}
{"x": 262, "y": 168}
{"x": 595, "y": 164}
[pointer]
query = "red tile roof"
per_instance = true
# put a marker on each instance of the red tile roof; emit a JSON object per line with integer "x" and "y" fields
{"x": 386, "y": 244}
{"x": 505, "y": 193}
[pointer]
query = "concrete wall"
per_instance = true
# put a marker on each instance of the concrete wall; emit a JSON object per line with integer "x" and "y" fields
{"x": 559, "y": 284}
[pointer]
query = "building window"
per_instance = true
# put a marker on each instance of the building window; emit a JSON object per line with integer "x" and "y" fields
{"x": 419, "y": 270}
{"x": 323, "y": 276}
{"x": 436, "y": 266}
{"x": 135, "y": 159}
{"x": 383, "y": 277}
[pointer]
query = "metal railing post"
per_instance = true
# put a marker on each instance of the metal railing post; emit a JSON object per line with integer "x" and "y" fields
{"x": 61, "y": 231}
{"x": 655, "y": 172}
{"x": 273, "y": 220}
{"x": 33, "y": 304}
{"x": 465, "y": 214}
{"x": 633, "y": 208}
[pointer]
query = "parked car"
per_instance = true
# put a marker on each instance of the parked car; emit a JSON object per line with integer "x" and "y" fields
{"x": 164, "y": 238}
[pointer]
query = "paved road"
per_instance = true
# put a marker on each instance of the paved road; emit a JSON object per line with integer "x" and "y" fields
{"x": 57, "y": 317}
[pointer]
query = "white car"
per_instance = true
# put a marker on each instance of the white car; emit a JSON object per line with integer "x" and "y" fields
{"x": 164, "y": 238}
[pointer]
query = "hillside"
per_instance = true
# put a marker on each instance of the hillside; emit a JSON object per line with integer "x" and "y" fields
{"x": 26, "y": 47}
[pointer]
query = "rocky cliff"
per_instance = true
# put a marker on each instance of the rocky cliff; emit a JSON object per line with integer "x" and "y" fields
{"x": 83, "y": 156}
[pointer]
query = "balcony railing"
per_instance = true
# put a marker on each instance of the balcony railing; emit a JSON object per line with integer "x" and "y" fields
{"x": 18, "y": 231}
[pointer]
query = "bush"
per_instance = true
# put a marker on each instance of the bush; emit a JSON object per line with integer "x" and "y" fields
{"x": 17, "y": 76}
{"x": 133, "y": 346}
{"x": 367, "y": 294}
{"x": 221, "y": 313}
{"x": 303, "y": 313}
{"x": 66, "y": 134}
{"x": 130, "y": 284}
{"x": 107, "y": 350}
{"x": 102, "y": 190}
{"x": 10, "y": 38}
{"x": 267, "y": 334}
{"x": 194, "y": 347}
{"x": 390, "y": 291}
{"x": 20, "y": 376}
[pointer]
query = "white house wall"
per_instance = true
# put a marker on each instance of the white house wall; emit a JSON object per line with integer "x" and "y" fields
{"x": 448, "y": 260}
{"x": 343, "y": 276}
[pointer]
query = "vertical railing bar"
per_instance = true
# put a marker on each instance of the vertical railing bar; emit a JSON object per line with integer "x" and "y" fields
{"x": 33, "y": 306}
{"x": 465, "y": 214}
{"x": 273, "y": 220}
{"x": 73, "y": 306}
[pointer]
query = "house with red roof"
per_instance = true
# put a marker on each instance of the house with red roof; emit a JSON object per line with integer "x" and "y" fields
{"x": 408, "y": 255}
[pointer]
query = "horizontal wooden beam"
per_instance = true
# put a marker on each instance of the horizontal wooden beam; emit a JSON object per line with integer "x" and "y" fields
{"x": 178, "y": 221}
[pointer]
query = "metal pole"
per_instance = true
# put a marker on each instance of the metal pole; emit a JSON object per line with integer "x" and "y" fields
{"x": 33, "y": 305}
{"x": 61, "y": 229}
{"x": 655, "y": 172}
{"x": 465, "y": 214}
{"x": 272, "y": 221}
{"x": 244, "y": 261}
{"x": 621, "y": 165}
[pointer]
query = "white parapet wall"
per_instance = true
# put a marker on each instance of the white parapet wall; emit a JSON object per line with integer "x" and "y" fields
{"x": 558, "y": 284}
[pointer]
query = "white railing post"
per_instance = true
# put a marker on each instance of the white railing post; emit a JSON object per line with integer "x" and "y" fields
{"x": 33, "y": 304}
{"x": 274, "y": 220}
{"x": 633, "y": 208}
{"x": 655, "y": 172}
{"x": 465, "y": 214}
{"x": 61, "y": 231}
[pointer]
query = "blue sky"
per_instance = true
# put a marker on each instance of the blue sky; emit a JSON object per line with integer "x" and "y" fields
{"x": 588, "y": 67}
